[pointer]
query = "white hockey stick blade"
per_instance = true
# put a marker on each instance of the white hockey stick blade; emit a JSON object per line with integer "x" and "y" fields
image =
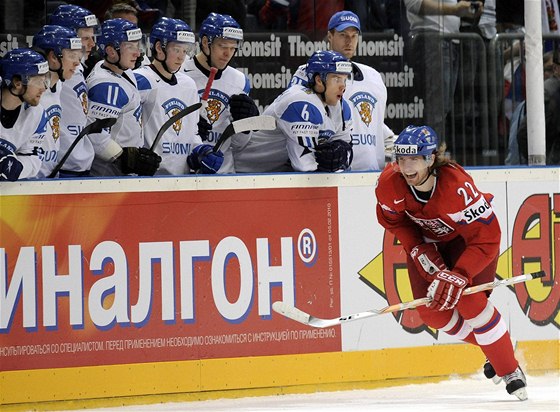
{"x": 300, "y": 316}
{"x": 262, "y": 122}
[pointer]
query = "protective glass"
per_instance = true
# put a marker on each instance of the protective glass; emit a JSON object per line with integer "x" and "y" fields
{"x": 40, "y": 81}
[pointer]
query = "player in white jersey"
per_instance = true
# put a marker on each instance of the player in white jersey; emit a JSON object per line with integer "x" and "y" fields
{"x": 165, "y": 91}
{"x": 313, "y": 124}
{"x": 63, "y": 51}
{"x": 23, "y": 125}
{"x": 219, "y": 37}
{"x": 113, "y": 93}
{"x": 366, "y": 95}
{"x": 73, "y": 96}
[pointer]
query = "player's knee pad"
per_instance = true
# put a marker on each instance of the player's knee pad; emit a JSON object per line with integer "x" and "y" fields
{"x": 434, "y": 318}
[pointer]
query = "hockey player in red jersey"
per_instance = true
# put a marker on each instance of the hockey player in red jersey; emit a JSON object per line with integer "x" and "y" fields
{"x": 452, "y": 237}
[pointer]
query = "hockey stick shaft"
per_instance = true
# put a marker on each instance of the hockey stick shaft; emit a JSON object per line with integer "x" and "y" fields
{"x": 307, "y": 319}
{"x": 94, "y": 127}
{"x": 173, "y": 119}
{"x": 263, "y": 122}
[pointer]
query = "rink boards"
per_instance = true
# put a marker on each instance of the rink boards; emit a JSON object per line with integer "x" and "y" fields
{"x": 116, "y": 288}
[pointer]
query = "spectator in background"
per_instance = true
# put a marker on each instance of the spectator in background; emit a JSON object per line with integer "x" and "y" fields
{"x": 73, "y": 96}
{"x": 366, "y": 96}
{"x": 63, "y": 51}
{"x": 435, "y": 59}
{"x": 123, "y": 11}
{"x": 219, "y": 38}
{"x": 234, "y": 8}
{"x": 25, "y": 77}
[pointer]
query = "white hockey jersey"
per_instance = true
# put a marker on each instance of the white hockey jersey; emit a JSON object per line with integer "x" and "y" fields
{"x": 74, "y": 102}
{"x": 50, "y": 101}
{"x": 162, "y": 98}
{"x": 302, "y": 122}
{"x": 25, "y": 138}
{"x": 367, "y": 97}
{"x": 227, "y": 82}
{"x": 113, "y": 95}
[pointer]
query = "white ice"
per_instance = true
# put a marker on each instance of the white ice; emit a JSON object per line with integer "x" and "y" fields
{"x": 473, "y": 394}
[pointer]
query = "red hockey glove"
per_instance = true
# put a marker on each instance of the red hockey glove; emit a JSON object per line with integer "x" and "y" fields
{"x": 427, "y": 260}
{"x": 446, "y": 289}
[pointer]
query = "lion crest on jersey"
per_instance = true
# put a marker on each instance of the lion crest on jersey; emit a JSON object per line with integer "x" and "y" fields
{"x": 53, "y": 114}
{"x": 364, "y": 104}
{"x": 171, "y": 108}
{"x": 217, "y": 102}
{"x": 81, "y": 93}
{"x": 55, "y": 125}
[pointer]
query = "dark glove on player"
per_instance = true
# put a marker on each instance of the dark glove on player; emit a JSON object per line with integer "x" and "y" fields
{"x": 204, "y": 160}
{"x": 139, "y": 160}
{"x": 91, "y": 61}
{"x": 333, "y": 156}
{"x": 204, "y": 129}
{"x": 242, "y": 106}
{"x": 10, "y": 166}
{"x": 428, "y": 260}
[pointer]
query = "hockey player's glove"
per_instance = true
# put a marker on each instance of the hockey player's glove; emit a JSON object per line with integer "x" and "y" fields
{"x": 242, "y": 106}
{"x": 204, "y": 160}
{"x": 446, "y": 290}
{"x": 10, "y": 166}
{"x": 139, "y": 160}
{"x": 204, "y": 129}
{"x": 428, "y": 260}
{"x": 333, "y": 156}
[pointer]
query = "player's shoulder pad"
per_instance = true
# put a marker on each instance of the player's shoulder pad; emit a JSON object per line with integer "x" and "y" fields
{"x": 346, "y": 111}
{"x": 142, "y": 81}
{"x": 300, "y": 111}
{"x": 108, "y": 93}
{"x": 237, "y": 77}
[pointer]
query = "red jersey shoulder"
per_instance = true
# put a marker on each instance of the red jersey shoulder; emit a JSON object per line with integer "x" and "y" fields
{"x": 466, "y": 203}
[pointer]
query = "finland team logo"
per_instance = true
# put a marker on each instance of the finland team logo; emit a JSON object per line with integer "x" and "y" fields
{"x": 81, "y": 93}
{"x": 171, "y": 107}
{"x": 53, "y": 114}
{"x": 364, "y": 104}
{"x": 217, "y": 102}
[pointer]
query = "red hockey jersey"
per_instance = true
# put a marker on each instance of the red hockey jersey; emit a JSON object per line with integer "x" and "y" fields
{"x": 456, "y": 208}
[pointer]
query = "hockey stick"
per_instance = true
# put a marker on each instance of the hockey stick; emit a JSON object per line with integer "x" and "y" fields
{"x": 300, "y": 316}
{"x": 94, "y": 127}
{"x": 173, "y": 119}
{"x": 206, "y": 93}
{"x": 263, "y": 122}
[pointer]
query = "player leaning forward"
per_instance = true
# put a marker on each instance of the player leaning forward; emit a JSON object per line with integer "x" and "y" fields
{"x": 313, "y": 124}
{"x": 434, "y": 208}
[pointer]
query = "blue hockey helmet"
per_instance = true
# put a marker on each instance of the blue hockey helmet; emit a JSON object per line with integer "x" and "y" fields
{"x": 24, "y": 63}
{"x": 116, "y": 31}
{"x": 416, "y": 141}
{"x": 325, "y": 62}
{"x": 56, "y": 38}
{"x": 74, "y": 17}
{"x": 171, "y": 30}
{"x": 220, "y": 25}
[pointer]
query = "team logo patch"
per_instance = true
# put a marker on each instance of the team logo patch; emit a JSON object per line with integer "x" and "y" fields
{"x": 217, "y": 102}
{"x": 480, "y": 210}
{"x": 53, "y": 114}
{"x": 81, "y": 93}
{"x": 436, "y": 226}
{"x": 364, "y": 104}
{"x": 171, "y": 107}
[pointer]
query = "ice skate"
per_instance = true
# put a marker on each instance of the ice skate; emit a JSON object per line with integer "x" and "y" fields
{"x": 516, "y": 384}
{"x": 490, "y": 373}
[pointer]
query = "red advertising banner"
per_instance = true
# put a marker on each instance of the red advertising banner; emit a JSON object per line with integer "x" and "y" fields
{"x": 114, "y": 278}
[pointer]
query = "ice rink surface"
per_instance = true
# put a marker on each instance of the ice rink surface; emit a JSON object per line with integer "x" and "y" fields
{"x": 473, "y": 394}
